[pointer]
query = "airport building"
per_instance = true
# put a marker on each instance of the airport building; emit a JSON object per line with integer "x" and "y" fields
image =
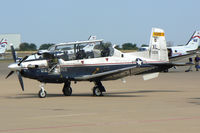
{"x": 14, "y": 39}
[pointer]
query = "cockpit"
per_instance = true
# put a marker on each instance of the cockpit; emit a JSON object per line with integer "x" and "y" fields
{"x": 70, "y": 51}
{"x": 82, "y": 50}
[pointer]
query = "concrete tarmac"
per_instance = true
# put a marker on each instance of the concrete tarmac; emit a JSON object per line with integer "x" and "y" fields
{"x": 167, "y": 104}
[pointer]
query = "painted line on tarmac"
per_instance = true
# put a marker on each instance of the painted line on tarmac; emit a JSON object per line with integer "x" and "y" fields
{"x": 170, "y": 119}
{"x": 50, "y": 127}
{"x": 67, "y": 126}
{"x": 60, "y": 116}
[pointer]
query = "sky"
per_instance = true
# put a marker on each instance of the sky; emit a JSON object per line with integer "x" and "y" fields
{"x": 116, "y": 21}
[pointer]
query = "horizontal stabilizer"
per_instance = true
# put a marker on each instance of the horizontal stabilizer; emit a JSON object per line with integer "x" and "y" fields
{"x": 150, "y": 76}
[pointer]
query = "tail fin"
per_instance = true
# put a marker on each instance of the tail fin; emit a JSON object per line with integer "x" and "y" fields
{"x": 194, "y": 41}
{"x": 90, "y": 46}
{"x": 158, "y": 46}
{"x": 3, "y": 46}
{"x": 92, "y": 38}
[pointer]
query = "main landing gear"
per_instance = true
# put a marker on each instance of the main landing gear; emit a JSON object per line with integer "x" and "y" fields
{"x": 98, "y": 89}
{"x": 67, "y": 90}
{"x": 42, "y": 93}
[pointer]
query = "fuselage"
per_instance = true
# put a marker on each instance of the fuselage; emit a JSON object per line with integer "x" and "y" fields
{"x": 40, "y": 69}
{"x": 179, "y": 50}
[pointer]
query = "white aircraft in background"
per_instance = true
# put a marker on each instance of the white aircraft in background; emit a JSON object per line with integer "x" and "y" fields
{"x": 70, "y": 49}
{"x": 185, "y": 50}
{"x": 87, "y": 48}
{"x": 3, "y": 46}
{"x": 182, "y": 51}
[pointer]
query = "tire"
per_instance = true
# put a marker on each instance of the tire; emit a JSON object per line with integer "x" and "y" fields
{"x": 42, "y": 94}
{"x": 166, "y": 71}
{"x": 97, "y": 92}
{"x": 67, "y": 91}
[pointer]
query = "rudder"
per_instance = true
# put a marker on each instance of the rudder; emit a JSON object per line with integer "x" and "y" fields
{"x": 194, "y": 41}
{"x": 158, "y": 46}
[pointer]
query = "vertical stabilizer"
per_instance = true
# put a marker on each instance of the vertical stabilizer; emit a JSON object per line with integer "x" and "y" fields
{"x": 92, "y": 38}
{"x": 89, "y": 47}
{"x": 3, "y": 46}
{"x": 158, "y": 46}
{"x": 194, "y": 41}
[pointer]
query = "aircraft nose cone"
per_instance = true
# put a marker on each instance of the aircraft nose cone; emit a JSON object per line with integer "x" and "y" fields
{"x": 14, "y": 67}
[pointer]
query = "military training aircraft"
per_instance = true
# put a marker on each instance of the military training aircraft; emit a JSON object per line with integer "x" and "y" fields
{"x": 59, "y": 65}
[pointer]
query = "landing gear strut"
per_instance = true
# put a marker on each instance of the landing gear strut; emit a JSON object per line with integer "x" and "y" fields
{"x": 98, "y": 89}
{"x": 67, "y": 90}
{"x": 42, "y": 93}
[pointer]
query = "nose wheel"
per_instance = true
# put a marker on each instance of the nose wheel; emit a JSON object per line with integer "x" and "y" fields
{"x": 42, "y": 93}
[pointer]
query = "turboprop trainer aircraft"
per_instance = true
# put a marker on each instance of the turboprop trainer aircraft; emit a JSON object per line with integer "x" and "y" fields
{"x": 107, "y": 63}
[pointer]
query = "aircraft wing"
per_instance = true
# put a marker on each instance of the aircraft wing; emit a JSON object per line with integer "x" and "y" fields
{"x": 182, "y": 64}
{"x": 166, "y": 66}
{"x": 116, "y": 74}
{"x": 175, "y": 58}
{"x": 134, "y": 70}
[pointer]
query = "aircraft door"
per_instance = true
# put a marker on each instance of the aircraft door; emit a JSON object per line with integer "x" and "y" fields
{"x": 169, "y": 52}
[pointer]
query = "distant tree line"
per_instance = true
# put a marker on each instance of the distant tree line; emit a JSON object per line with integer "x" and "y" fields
{"x": 27, "y": 47}
{"x": 32, "y": 47}
{"x": 126, "y": 46}
{"x": 45, "y": 46}
{"x": 129, "y": 46}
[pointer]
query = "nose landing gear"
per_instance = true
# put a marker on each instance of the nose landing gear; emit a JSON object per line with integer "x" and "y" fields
{"x": 42, "y": 93}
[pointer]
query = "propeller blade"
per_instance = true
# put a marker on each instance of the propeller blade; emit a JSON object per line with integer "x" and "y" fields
{"x": 13, "y": 53}
{"x": 11, "y": 72}
{"x": 20, "y": 80}
{"x": 23, "y": 60}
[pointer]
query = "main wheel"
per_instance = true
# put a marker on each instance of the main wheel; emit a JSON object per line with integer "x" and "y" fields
{"x": 166, "y": 70}
{"x": 97, "y": 92}
{"x": 42, "y": 94}
{"x": 67, "y": 91}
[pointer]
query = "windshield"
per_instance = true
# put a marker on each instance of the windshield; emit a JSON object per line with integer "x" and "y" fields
{"x": 33, "y": 57}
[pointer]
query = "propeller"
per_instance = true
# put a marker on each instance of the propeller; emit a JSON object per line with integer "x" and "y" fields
{"x": 22, "y": 60}
{"x": 16, "y": 67}
{"x": 20, "y": 80}
{"x": 11, "y": 72}
{"x": 13, "y": 53}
